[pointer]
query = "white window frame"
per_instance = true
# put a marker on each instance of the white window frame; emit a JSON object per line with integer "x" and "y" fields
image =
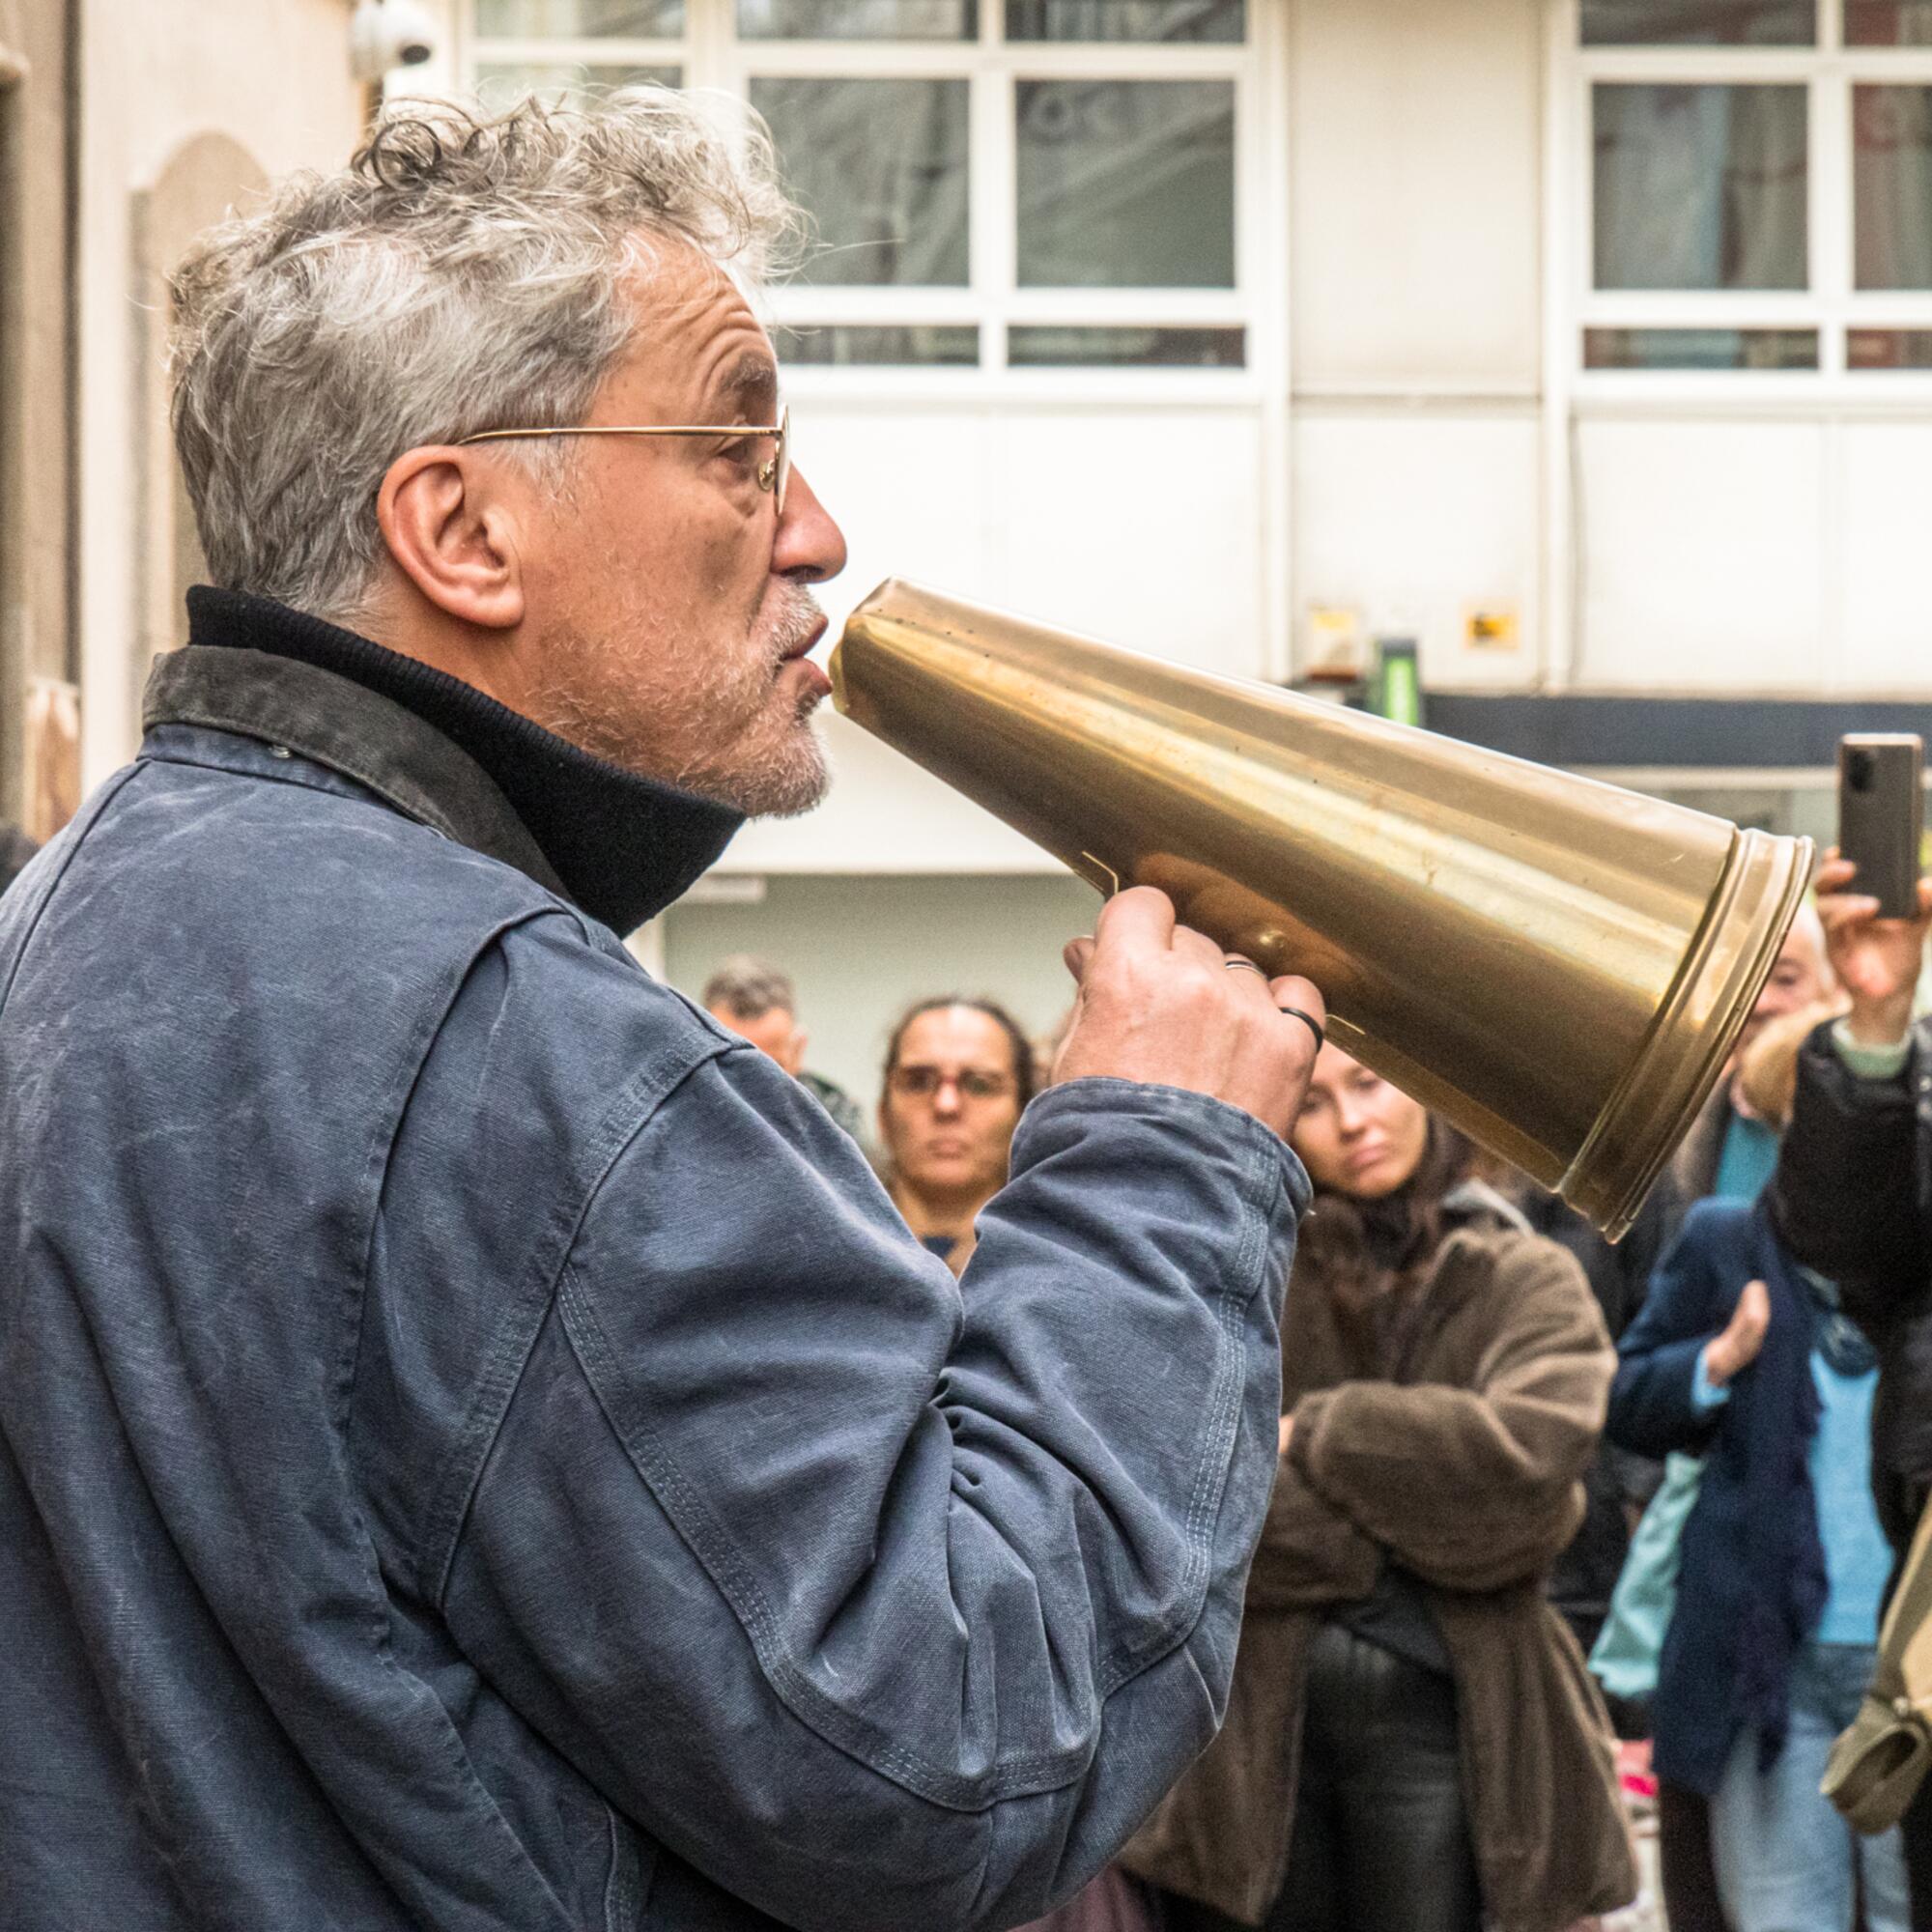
{"x": 1830, "y": 306}
{"x": 711, "y": 54}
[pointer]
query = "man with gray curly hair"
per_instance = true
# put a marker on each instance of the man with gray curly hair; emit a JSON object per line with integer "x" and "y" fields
{"x": 478, "y": 1449}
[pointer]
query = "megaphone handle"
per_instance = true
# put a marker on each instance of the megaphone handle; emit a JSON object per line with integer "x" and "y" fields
{"x": 1112, "y": 885}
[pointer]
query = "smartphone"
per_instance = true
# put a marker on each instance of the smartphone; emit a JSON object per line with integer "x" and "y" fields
{"x": 1880, "y": 813}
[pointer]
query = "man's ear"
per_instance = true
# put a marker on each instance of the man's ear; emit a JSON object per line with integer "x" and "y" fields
{"x": 451, "y": 526}
{"x": 795, "y": 1054}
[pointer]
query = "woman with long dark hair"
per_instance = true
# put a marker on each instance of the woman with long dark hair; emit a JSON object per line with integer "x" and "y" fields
{"x": 1412, "y": 1741}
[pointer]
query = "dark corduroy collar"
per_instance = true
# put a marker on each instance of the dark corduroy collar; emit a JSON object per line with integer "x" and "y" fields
{"x": 622, "y": 847}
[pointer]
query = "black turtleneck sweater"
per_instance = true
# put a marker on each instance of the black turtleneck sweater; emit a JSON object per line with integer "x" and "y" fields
{"x": 624, "y": 846}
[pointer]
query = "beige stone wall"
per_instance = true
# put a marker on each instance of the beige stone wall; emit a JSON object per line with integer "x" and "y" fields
{"x": 36, "y": 635}
{"x": 188, "y": 111}
{"x": 182, "y": 112}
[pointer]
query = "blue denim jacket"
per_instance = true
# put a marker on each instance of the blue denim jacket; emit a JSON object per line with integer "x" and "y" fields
{"x": 479, "y": 1448}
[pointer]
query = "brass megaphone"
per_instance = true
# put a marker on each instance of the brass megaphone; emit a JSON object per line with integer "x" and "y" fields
{"x": 1558, "y": 966}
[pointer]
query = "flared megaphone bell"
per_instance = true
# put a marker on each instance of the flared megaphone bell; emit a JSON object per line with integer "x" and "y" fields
{"x": 1558, "y": 966}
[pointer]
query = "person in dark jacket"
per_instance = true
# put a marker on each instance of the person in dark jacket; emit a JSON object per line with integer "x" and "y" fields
{"x": 1852, "y": 1198}
{"x": 1617, "y": 1484}
{"x": 479, "y": 1448}
{"x": 1413, "y": 1743}
{"x": 1729, "y": 1152}
{"x": 1745, "y": 1356}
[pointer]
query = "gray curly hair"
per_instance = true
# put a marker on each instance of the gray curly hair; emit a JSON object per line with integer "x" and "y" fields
{"x": 466, "y": 271}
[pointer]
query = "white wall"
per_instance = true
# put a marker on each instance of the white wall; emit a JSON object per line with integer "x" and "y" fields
{"x": 1415, "y": 313}
{"x": 1415, "y": 519}
{"x": 1414, "y": 131}
{"x": 1777, "y": 548}
{"x": 1883, "y": 512}
{"x": 1701, "y": 555}
{"x": 274, "y": 75}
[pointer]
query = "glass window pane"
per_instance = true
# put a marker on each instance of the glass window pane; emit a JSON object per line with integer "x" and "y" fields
{"x": 1700, "y": 187}
{"x": 501, "y": 84}
{"x": 1888, "y": 349}
{"x": 579, "y": 19}
{"x": 842, "y": 343}
{"x": 1889, "y": 23}
{"x": 859, "y": 19}
{"x": 1892, "y": 187}
{"x": 1221, "y": 20}
{"x": 881, "y": 166}
{"x": 1033, "y": 345}
{"x": 1700, "y": 349}
{"x": 1126, "y": 184}
{"x": 1699, "y": 24}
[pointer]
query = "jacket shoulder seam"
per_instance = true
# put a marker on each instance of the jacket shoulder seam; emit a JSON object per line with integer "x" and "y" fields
{"x": 91, "y": 815}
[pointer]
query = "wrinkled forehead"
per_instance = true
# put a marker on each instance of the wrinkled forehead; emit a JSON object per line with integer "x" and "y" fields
{"x": 695, "y": 335}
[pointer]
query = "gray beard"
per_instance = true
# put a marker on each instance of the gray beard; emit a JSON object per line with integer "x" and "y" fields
{"x": 790, "y": 780}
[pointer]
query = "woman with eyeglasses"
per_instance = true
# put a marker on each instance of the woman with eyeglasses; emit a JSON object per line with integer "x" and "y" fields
{"x": 959, "y": 1074}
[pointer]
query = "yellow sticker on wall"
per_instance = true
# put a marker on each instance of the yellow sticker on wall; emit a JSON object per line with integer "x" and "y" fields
{"x": 1491, "y": 627}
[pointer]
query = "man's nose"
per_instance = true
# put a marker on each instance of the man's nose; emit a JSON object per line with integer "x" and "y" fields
{"x": 811, "y": 547}
{"x": 946, "y": 1096}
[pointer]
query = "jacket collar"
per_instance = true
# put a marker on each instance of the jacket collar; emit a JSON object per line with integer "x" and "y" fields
{"x": 410, "y": 766}
{"x": 439, "y": 751}
{"x": 1472, "y": 1201}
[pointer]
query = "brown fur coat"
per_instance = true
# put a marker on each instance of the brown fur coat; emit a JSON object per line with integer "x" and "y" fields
{"x": 1458, "y": 1454}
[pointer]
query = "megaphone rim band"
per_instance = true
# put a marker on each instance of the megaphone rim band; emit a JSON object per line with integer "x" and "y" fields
{"x": 1781, "y": 871}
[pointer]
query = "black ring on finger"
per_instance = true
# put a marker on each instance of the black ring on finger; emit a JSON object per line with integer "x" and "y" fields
{"x": 1313, "y": 1025}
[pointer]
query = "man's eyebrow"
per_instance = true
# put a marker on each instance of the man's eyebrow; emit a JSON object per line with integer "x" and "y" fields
{"x": 749, "y": 385}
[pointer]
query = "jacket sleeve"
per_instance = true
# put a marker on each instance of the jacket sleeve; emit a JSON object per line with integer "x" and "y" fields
{"x": 1310, "y": 1553}
{"x": 1474, "y": 1487}
{"x": 881, "y": 1599}
{"x": 1654, "y": 1399}
{"x": 1872, "y": 1236}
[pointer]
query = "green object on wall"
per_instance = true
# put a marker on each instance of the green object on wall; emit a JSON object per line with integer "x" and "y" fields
{"x": 1396, "y": 691}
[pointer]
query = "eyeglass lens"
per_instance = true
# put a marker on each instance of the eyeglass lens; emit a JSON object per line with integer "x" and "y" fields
{"x": 923, "y": 1082}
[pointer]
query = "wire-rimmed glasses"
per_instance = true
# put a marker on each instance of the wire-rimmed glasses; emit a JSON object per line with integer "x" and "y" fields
{"x": 772, "y": 474}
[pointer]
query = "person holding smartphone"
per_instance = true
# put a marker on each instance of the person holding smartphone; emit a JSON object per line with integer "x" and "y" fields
{"x": 1852, "y": 1197}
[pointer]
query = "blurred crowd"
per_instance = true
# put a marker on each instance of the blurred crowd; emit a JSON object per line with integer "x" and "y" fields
{"x": 1565, "y": 1534}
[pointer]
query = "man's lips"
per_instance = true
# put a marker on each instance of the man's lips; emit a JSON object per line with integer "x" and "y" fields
{"x": 807, "y": 642}
{"x": 814, "y": 674}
